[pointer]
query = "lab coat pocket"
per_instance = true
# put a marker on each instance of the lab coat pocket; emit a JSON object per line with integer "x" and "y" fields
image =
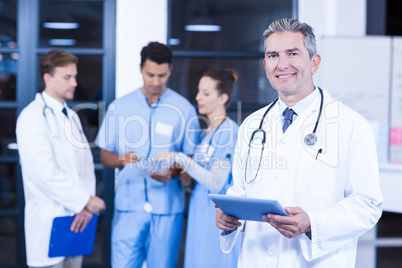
{"x": 64, "y": 154}
{"x": 315, "y": 183}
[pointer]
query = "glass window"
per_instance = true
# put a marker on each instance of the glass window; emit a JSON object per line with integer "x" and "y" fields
{"x": 8, "y": 76}
{"x": 8, "y": 23}
{"x": 8, "y": 241}
{"x": 75, "y": 26}
{"x": 89, "y": 79}
{"x": 89, "y": 117}
{"x": 224, "y": 34}
{"x": 389, "y": 257}
{"x": 96, "y": 257}
{"x": 223, "y": 25}
{"x": 8, "y": 189}
{"x": 393, "y": 21}
{"x": 389, "y": 225}
{"x": 7, "y": 131}
{"x": 70, "y": 23}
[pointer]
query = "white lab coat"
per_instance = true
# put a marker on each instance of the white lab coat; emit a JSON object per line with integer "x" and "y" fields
{"x": 339, "y": 190}
{"x": 58, "y": 173}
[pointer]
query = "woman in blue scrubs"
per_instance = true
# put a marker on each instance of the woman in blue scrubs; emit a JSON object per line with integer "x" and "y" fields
{"x": 210, "y": 167}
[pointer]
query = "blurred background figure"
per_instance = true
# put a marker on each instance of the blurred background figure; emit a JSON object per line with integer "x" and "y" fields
{"x": 56, "y": 160}
{"x": 210, "y": 167}
{"x": 148, "y": 216}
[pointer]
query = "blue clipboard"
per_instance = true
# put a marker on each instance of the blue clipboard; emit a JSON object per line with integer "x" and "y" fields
{"x": 64, "y": 243}
{"x": 244, "y": 208}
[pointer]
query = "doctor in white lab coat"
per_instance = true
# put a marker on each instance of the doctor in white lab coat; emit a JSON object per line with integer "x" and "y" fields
{"x": 330, "y": 189}
{"x": 57, "y": 164}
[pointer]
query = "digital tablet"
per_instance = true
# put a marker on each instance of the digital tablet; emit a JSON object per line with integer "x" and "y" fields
{"x": 244, "y": 208}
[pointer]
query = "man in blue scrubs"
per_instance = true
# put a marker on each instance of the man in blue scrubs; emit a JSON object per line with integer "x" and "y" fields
{"x": 147, "y": 222}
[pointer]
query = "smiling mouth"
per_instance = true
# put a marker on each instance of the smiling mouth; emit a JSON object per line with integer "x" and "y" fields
{"x": 285, "y": 76}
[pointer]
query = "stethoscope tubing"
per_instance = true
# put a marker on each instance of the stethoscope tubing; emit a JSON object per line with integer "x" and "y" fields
{"x": 52, "y": 133}
{"x": 270, "y": 107}
{"x": 309, "y": 140}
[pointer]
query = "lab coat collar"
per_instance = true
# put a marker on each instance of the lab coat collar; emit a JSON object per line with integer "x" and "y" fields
{"x": 301, "y": 106}
{"x": 52, "y": 103}
{"x": 305, "y": 118}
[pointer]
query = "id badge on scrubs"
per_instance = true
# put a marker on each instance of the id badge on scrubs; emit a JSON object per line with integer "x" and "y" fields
{"x": 164, "y": 129}
{"x": 204, "y": 152}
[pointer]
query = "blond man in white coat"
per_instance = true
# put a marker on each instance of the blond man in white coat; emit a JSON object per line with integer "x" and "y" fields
{"x": 57, "y": 164}
{"x": 328, "y": 185}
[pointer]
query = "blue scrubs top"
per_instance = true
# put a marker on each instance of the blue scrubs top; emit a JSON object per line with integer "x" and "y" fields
{"x": 202, "y": 241}
{"x": 131, "y": 125}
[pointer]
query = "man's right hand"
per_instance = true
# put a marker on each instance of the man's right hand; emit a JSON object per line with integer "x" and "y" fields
{"x": 95, "y": 204}
{"x": 226, "y": 222}
{"x": 81, "y": 221}
{"x": 113, "y": 160}
{"x": 128, "y": 158}
{"x": 163, "y": 177}
{"x": 186, "y": 179}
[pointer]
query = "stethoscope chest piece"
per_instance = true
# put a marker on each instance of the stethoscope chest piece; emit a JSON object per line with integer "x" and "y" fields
{"x": 310, "y": 139}
{"x": 148, "y": 207}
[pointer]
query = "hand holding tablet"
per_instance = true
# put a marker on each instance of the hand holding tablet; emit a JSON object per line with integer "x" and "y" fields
{"x": 244, "y": 208}
{"x": 145, "y": 166}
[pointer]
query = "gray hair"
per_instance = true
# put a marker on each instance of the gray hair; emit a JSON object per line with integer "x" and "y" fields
{"x": 293, "y": 25}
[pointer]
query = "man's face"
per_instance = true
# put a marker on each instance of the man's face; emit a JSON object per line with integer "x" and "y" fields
{"x": 288, "y": 66}
{"x": 155, "y": 77}
{"x": 61, "y": 85}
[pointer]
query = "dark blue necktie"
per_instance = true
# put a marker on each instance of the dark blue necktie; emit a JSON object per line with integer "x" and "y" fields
{"x": 65, "y": 111}
{"x": 287, "y": 118}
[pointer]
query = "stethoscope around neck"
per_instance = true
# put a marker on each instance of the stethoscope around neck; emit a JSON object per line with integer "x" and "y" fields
{"x": 309, "y": 140}
{"x": 54, "y": 131}
{"x": 153, "y": 105}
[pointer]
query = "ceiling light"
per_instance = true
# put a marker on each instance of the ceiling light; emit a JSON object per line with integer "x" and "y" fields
{"x": 62, "y": 42}
{"x": 202, "y": 28}
{"x": 174, "y": 41}
{"x": 61, "y": 25}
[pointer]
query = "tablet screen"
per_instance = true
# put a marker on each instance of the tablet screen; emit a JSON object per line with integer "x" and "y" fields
{"x": 245, "y": 208}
